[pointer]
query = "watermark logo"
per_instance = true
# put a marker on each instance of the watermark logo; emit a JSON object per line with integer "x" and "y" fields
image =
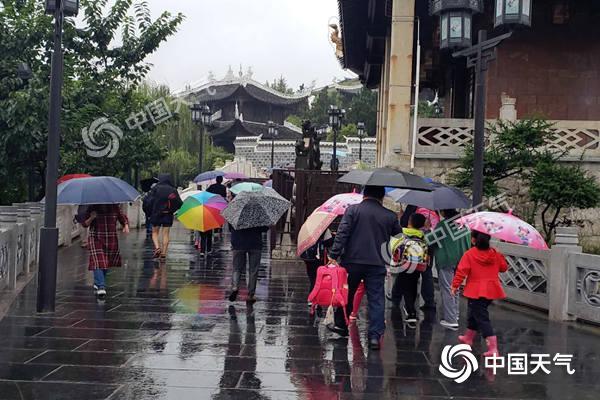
{"x": 102, "y": 138}
{"x": 462, "y": 351}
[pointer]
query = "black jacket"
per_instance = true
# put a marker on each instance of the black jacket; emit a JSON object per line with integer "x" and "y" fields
{"x": 364, "y": 233}
{"x": 163, "y": 198}
{"x": 218, "y": 188}
{"x": 247, "y": 239}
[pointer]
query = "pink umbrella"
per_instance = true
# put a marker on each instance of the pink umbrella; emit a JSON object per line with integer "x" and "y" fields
{"x": 431, "y": 216}
{"x": 505, "y": 227}
{"x": 339, "y": 203}
{"x": 322, "y": 217}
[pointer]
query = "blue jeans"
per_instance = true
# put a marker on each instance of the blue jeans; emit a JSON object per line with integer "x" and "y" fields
{"x": 374, "y": 278}
{"x": 100, "y": 277}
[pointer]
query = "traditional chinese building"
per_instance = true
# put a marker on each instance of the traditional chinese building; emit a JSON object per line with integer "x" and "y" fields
{"x": 243, "y": 107}
{"x": 548, "y": 69}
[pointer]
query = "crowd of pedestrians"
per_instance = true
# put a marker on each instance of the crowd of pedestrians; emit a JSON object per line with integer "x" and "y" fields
{"x": 372, "y": 243}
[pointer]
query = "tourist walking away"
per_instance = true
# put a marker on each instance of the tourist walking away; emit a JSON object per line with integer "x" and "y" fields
{"x": 480, "y": 266}
{"x": 164, "y": 201}
{"x": 427, "y": 288}
{"x": 218, "y": 188}
{"x": 206, "y": 238}
{"x": 365, "y": 228}
{"x": 410, "y": 256}
{"x": 247, "y": 246}
{"x": 314, "y": 257}
{"x": 448, "y": 244}
{"x": 103, "y": 241}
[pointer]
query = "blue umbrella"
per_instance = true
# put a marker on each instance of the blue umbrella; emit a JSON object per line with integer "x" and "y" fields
{"x": 208, "y": 176}
{"x": 96, "y": 190}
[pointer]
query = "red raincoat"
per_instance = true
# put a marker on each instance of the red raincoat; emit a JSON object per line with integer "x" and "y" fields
{"x": 481, "y": 268}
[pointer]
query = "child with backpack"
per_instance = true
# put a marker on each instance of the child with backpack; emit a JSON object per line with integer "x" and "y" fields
{"x": 480, "y": 266}
{"x": 410, "y": 259}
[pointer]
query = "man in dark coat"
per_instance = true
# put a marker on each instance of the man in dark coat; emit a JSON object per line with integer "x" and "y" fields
{"x": 163, "y": 201}
{"x": 360, "y": 246}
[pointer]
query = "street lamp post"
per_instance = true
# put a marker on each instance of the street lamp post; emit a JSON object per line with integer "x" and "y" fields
{"x": 201, "y": 116}
{"x": 478, "y": 57}
{"x": 46, "y": 293}
{"x": 273, "y": 133}
{"x": 360, "y": 127}
{"x": 336, "y": 116}
{"x": 455, "y": 32}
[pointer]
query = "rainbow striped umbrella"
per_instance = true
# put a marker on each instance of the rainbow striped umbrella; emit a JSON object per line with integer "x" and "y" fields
{"x": 202, "y": 212}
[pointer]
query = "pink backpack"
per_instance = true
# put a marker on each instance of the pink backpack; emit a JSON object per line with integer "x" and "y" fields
{"x": 331, "y": 288}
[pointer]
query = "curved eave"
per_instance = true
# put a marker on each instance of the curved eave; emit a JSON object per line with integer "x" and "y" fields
{"x": 218, "y": 91}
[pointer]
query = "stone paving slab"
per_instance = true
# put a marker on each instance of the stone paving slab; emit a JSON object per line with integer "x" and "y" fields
{"x": 166, "y": 331}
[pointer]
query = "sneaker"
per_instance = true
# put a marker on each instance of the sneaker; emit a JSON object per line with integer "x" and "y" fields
{"x": 343, "y": 332}
{"x": 233, "y": 295}
{"x": 449, "y": 325}
{"x": 411, "y": 318}
{"x": 101, "y": 293}
{"x": 96, "y": 289}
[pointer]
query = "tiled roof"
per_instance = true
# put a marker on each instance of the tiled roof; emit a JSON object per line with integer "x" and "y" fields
{"x": 249, "y": 128}
{"x": 220, "y": 90}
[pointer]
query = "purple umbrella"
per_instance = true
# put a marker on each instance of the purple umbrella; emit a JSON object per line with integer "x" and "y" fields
{"x": 235, "y": 175}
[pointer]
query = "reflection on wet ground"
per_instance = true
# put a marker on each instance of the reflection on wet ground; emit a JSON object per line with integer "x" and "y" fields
{"x": 166, "y": 331}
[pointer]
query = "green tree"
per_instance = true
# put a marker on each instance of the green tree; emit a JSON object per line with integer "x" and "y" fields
{"x": 101, "y": 80}
{"x": 519, "y": 151}
{"x": 557, "y": 187}
{"x": 348, "y": 130}
{"x": 514, "y": 148}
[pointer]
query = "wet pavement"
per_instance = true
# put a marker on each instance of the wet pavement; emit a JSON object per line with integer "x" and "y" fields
{"x": 166, "y": 331}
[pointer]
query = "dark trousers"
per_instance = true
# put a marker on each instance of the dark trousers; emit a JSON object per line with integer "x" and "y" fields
{"x": 406, "y": 286}
{"x": 374, "y": 278}
{"x": 479, "y": 317}
{"x": 206, "y": 239}
{"x": 311, "y": 272}
{"x": 427, "y": 291}
{"x": 239, "y": 266}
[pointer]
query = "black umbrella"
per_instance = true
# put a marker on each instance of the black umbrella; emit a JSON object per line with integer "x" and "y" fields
{"x": 146, "y": 184}
{"x": 386, "y": 177}
{"x": 441, "y": 198}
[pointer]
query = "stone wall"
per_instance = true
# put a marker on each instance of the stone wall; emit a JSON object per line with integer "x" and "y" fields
{"x": 258, "y": 152}
{"x": 551, "y": 69}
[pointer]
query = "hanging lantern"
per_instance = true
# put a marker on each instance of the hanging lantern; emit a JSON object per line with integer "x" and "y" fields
{"x": 513, "y": 12}
{"x": 456, "y": 17}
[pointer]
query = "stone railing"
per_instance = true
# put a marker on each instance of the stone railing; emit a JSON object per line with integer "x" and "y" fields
{"x": 19, "y": 241}
{"x": 526, "y": 280}
{"x": 19, "y": 236}
{"x": 562, "y": 280}
{"x": 446, "y": 138}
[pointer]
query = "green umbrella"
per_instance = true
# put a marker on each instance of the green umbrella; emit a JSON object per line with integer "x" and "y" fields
{"x": 246, "y": 187}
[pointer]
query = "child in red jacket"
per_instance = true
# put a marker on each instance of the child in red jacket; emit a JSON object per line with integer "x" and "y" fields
{"x": 480, "y": 266}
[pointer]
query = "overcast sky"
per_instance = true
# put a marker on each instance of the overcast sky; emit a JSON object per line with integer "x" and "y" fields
{"x": 274, "y": 37}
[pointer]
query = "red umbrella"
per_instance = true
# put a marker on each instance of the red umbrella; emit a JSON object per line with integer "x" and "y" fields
{"x": 72, "y": 176}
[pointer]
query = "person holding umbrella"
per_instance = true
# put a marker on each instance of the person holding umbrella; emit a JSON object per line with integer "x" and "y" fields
{"x": 103, "y": 241}
{"x": 364, "y": 229}
{"x": 249, "y": 215}
{"x": 480, "y": 266}
{"x": 164, "y": 201}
